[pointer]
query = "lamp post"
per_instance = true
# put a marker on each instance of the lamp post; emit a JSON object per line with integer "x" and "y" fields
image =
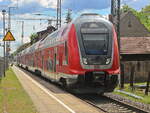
{"x": 58, "y": 24}
{"x": 4, "y": 13}
{"x": 22, "y": 34}
{"x": 9, "y": 28}
{"x": 9, "y": 17}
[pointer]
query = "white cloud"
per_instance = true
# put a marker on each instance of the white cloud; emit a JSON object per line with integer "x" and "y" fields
{"x": 24, "y": 16}
{"x": 48, "y": 3}
{"x": 44, "y": 3}
{"x": 1, "y": 31}
{"x": 0, "y": 15}
{"x": 33, "y": 16}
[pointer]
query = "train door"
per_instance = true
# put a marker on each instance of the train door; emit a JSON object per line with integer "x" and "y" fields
{"x": 43, "y": 62}
{"x": 55, "y": 62}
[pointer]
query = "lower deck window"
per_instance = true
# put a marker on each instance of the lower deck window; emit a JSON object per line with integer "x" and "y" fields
{"x": 95, "y": 44}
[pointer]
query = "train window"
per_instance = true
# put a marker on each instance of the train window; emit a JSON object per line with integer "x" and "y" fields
{"x": 55, "y": 34}
{"x": 50, "y": 65}
{"x": 93, "y": 25}
{"x": 95, "y": 43}
{"x": 33, "y": 60}
{"x": 66, "y": 52}
{"x": 42, "y": 62}
{"x": 95, "y": 38}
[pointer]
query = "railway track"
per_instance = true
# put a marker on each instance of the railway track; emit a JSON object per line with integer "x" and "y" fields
{"x": 109, "y": 105}
{"x": 104, "y": 103}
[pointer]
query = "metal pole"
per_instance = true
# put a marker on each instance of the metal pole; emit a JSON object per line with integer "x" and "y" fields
{"x": 8, "y": 43}
{"x": 9, "y": 29}
{"x": 4, "y": 12}
{"x": 57, "y": 13}
{"x": 9, "y": 19}
{"x": 132, "y": 77}
{"x": 147, "y": 85}
{"x": 118, "y": 36}
{"x": 22, "y": 31}
{"x": 112, "y": 10}
{"x": 122, "y": 76}
{"x": 60, "y": 13}
{"x": 118, "y": 24}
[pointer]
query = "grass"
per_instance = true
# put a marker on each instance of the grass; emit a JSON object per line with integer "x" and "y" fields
{"x": 13, "y": 98}
{"x": 136, "y": 91}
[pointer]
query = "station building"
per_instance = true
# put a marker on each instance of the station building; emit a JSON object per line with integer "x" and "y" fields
{"x": 135, "y": 47}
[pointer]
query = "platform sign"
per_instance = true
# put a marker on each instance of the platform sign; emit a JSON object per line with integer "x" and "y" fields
{"x": 9, "y": 37}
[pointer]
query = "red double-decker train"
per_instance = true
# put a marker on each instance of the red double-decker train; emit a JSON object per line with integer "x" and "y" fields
{"x": 82, "y": 55}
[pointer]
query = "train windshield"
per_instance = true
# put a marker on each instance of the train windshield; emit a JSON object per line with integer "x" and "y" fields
{"x": 95, "y": 44}
{"x": 95, "y": 38}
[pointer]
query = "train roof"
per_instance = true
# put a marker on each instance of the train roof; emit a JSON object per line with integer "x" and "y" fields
{"x": 58, "y": 35}
{"x": 90, "y": 14}
{"x": 32, "y": 48}
{"x": 54, "y": 38}
{"x": 92, "y": 17}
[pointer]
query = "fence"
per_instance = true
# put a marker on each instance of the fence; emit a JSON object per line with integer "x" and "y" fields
{"x": 140, "y": 72}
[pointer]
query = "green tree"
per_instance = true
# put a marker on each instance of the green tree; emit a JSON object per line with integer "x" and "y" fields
{"x": 146, "y": 10}
{"x": 143, "y": 15}
{"x": 126, "y": 8}
{"x": 33, "y": 38}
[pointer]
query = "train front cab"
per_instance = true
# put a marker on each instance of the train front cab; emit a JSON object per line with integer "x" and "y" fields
{"x": 98, "y": 55}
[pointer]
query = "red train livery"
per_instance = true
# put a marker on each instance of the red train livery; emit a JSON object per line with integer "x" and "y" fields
{"x": 82, "y": 55}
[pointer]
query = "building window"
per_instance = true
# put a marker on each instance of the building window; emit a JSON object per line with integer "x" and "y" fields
{"x": 129, "y": 23}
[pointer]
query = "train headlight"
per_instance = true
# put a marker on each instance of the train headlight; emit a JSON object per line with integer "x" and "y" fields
{"x": 108, "y": 60}
{"x": 85, "y": 60}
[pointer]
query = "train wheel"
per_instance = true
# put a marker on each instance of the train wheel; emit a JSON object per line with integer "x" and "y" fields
{"x": 26, "y": 68}
{"x": 63, "y": 83}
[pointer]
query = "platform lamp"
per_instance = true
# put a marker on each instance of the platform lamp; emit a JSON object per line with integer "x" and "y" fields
{"x": 4, "y": 13}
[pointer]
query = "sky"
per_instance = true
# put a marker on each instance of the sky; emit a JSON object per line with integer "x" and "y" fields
{"x": 30, "y": 9}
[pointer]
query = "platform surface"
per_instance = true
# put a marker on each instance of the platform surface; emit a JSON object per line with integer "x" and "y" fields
{"x": 47, "y": 101}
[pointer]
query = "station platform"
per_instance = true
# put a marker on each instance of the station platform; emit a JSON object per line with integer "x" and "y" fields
{"x": 47, "y": 101}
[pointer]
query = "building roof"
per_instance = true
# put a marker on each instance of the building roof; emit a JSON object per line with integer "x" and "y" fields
{"x": 135, "y": 45}
{"x": 131, "y": 26}
{"x": 48, "y": 30}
